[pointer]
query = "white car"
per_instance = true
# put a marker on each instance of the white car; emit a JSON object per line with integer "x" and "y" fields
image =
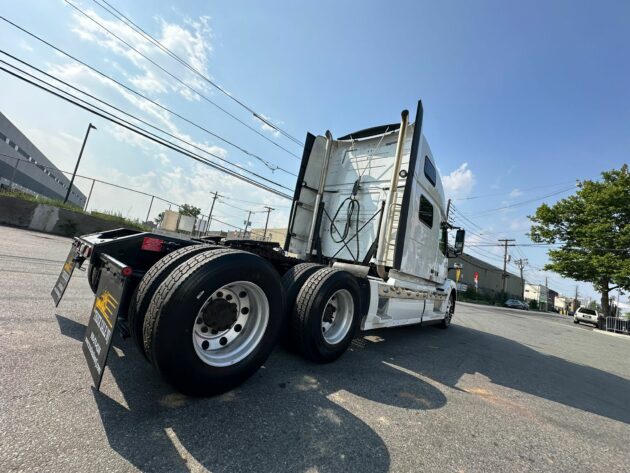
{"x": 582, "y": 314}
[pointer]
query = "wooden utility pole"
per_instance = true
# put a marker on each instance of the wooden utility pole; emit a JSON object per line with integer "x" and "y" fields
{"x": 520, "y": 263}
{"x": 269, "y": 209}
{"x": 216, "y": 195}
{"x": 247, "y": 222}
{"x": 505, "y": 242}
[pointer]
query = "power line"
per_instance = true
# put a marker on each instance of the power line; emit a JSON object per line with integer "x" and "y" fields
{"x": 148, "y": 135}
{"x": 139, "y": 94}
{"x": 507, "y": 193}
{"x": 161, "y": 130}
{"x": 162, "y": 140}
{"x": 179, "y": 80}
{"x": 125, "y": 19}
{"x": 517, "y": 204}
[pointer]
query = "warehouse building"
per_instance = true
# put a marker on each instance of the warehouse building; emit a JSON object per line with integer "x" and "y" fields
{"x": 24, "y": 167}
{"x": 489, "y": 278}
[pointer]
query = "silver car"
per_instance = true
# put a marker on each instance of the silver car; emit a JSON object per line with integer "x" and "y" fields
{"x": 582, "y": 314}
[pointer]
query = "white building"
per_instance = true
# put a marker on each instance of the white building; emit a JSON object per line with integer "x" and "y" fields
{"x": 538, "y": 293}
{"x": 24, "y": 167}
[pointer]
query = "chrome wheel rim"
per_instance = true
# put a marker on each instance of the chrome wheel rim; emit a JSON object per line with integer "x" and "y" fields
{"x": 230, "y": 323}
{"x": 449, "y": 311}
{"x": 337, "y": 316}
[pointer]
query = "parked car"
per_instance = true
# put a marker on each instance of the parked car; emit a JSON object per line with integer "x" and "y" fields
{"x": 582, "y": 314}
{"x": 516, "y": 304}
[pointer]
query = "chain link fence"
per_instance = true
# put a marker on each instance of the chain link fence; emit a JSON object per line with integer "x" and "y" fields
{"x": 122, "y": 201}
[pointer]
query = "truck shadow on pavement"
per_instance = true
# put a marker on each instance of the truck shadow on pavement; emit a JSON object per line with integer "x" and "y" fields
{"x": 505, "y": 362}
{"x": 291, "y": 416}
{"x": 295, "y": 416}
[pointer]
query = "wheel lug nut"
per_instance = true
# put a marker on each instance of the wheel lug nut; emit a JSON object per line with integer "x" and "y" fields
{"x": 242, "y": 294}
{"x": 204, "y": 329}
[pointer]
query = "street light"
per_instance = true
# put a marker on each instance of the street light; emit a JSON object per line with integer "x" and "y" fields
{"x": 76, "y": 167}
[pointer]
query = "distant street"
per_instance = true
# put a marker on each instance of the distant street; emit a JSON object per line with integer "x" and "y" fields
{"x": 501, "y": 390}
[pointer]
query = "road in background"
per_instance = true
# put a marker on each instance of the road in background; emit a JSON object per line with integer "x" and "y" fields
{"x": 501, "y": 390}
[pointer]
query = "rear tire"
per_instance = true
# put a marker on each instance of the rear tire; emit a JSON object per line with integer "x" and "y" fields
{"x": 203, "y": 364}
{"x": 575, "y": 321}
{"x": 326, "y": 314}
{"x": 150, "y": 283}
{"x": 292, "y": 282}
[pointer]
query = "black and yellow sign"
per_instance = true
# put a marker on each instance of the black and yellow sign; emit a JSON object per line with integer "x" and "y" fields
{"x": 100, "y": 328}
{"x": 64, "y": 276}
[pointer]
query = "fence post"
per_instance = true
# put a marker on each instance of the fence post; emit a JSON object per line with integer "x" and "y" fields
{"x": 89, "y": 195}
{"x": 150, "y": 205}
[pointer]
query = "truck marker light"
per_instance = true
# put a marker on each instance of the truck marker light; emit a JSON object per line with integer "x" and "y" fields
{"x": 152, "y": 244}
{"x": 127, "y": 271}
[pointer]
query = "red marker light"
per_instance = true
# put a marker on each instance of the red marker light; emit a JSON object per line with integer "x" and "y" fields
{"x": 152, "y": 244}
{"x": 127, "y": 271}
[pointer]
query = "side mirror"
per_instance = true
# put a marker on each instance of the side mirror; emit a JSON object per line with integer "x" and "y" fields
{"x": 460, "y": 236}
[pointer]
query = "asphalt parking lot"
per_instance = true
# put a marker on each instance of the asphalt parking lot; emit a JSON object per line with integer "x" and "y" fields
{"x": 501, "y": 390}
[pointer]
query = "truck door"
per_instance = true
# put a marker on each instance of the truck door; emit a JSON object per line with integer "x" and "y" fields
{"x": 423, "y": 233}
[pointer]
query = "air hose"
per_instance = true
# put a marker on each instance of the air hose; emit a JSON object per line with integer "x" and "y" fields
{"x": 352, "y": 207}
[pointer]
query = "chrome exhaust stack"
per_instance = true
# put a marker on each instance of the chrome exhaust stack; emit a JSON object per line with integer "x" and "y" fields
{"x": 390, "y": 203}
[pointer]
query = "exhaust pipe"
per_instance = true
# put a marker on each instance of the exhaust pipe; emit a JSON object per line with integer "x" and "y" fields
{"x": 390, "y": 203}
{"x": 320, "y": 190}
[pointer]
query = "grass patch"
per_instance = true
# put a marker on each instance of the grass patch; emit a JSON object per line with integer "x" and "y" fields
{"x": 103, "y": 215}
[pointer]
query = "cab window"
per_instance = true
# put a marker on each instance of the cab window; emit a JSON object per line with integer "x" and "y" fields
{"x": 426, "y": 212}
{"x": 429, "y": 171}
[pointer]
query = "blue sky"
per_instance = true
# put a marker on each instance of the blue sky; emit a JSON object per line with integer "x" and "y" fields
{"x": 520, "y": 98}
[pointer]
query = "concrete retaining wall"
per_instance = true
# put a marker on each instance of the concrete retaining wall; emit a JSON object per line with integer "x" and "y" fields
{"x": 46, "y": 218}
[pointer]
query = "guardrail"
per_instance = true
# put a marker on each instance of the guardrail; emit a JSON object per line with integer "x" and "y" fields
{"x": 614, "y": 324}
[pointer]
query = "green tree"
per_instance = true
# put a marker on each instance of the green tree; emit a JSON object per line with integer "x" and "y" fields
{"x": 187, "y": 209}
{"x": 159, "y": 218}
{"x": 592, "y": 230}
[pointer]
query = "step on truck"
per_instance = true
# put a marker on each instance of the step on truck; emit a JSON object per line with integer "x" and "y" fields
{"x": 367, "y": 247}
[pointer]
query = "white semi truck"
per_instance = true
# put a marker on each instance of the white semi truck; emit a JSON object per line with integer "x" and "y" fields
{"x": 367, "y": 247}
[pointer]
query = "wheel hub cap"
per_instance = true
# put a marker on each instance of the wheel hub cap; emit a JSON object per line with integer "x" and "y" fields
{"x": 219, "y": 314}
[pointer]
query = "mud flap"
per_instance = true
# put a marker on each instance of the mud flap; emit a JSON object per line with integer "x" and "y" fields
{"x": 65, "y": 275}
{"x": 102, "y": 323}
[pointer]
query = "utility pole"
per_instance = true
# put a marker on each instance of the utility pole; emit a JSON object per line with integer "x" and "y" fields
{"x": 520, "y": 263}
{"x": 76, "y": 167}
{"x": 247, "y": 222}
{"x": 505, "y": 242}
{"x": 216, "y": 195}
{"x": 269, "y": 209}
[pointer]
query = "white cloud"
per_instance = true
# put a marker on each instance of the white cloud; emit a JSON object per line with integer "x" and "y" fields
{"x": 191, "y": 42}
{"x": 268, "y": 128}
{"x": 516, "y": 193}
{"x": 460, "y": 182}
{"x": 26, "y": 46}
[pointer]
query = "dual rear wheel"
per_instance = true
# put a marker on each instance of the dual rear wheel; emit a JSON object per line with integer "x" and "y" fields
{"x": 211, "y": 321}
{"x": 208, "y": 317}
